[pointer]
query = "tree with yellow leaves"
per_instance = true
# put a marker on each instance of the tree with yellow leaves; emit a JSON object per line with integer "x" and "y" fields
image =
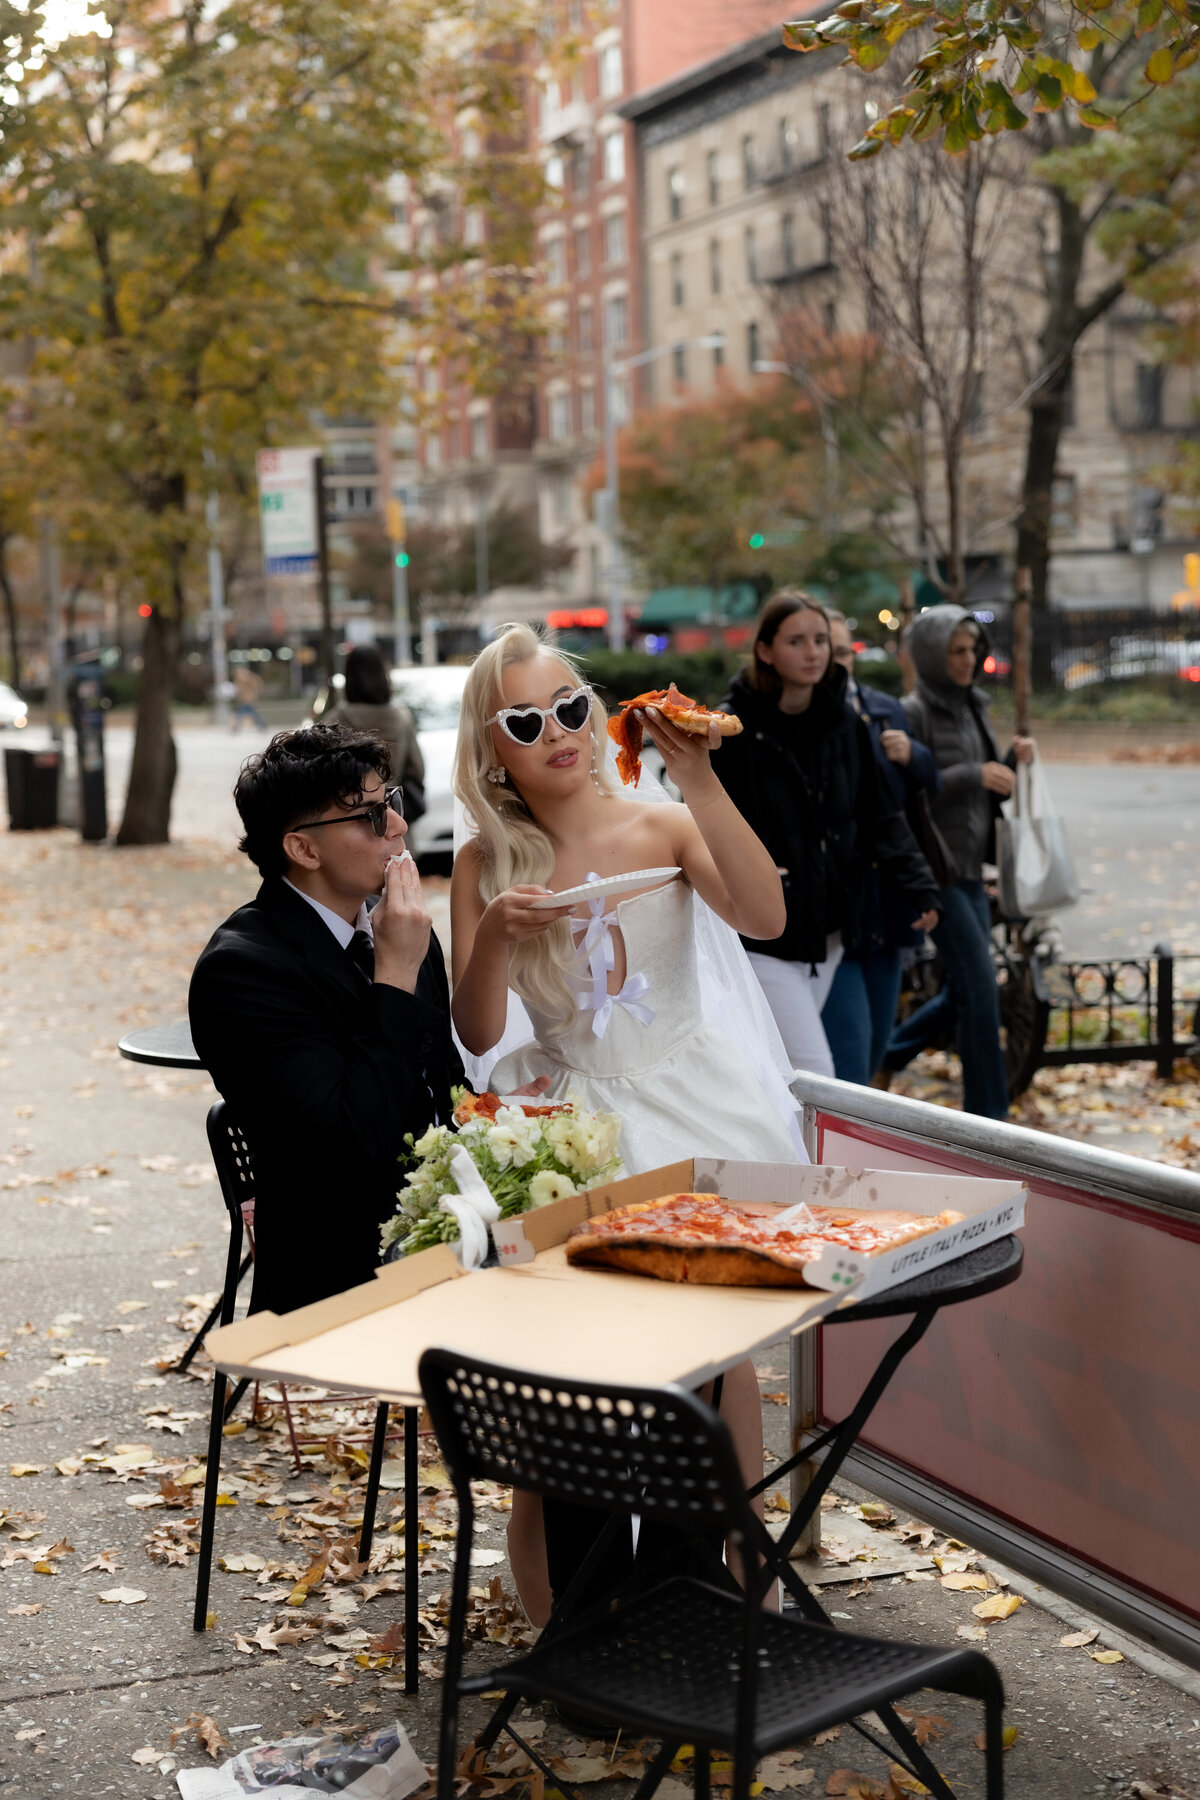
{"x": 196, "y": 200}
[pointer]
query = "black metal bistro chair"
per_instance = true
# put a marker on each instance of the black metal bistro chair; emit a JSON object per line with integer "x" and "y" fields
{"x": 689, "y": 1660}
{"x": 235, "y": 1172}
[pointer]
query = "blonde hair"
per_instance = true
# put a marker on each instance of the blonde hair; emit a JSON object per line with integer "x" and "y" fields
{"x": 513, "y": 849}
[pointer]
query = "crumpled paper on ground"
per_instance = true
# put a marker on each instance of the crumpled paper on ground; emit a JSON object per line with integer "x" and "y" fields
{"x": 295, "y": 1768}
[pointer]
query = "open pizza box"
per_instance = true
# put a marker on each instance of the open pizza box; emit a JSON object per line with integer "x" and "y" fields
{"x": 537, "y": 1312}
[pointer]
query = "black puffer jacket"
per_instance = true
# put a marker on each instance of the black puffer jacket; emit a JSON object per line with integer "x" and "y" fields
{"x": 953, "y": 722}
{"x": 809, "y": 785}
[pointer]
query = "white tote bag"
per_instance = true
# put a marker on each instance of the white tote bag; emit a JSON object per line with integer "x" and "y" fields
{"x": 1036, "y": 872}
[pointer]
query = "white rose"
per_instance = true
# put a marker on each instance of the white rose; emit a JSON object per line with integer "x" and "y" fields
{"x": 432, "y": 1141}
{"x": 515, "y": 1144}
{"x": 547, "y": 1186}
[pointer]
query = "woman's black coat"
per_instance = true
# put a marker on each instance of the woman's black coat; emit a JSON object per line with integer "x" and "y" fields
{"x": 822, "y": 812}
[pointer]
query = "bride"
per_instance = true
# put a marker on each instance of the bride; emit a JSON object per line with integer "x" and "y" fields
{"x": 613, "y": 997}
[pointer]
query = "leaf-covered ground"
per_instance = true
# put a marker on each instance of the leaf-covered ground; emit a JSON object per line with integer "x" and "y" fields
{"x": 112, "y": 1249}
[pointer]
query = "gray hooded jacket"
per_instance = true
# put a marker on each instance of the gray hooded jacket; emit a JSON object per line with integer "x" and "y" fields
{"x": 953, "y": 722}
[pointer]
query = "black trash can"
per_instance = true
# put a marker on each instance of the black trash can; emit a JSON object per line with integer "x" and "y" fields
{"x": 32, "y": 778}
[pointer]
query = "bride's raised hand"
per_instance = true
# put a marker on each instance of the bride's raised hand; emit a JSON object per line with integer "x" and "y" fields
{"x": 686, "y": 754}
{"x": 512, "y": 917}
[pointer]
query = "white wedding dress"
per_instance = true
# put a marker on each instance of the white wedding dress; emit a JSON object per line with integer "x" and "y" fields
{"x": 680, "y": 1085}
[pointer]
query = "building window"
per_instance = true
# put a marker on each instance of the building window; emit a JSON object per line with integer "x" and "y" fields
{"x": 676, "y": 279}
{"x": 551, "y": 101}
{"x": 714, "y": 266}
{"x": 559, "y": 413}
{"x": 612, "y": 77}
{"x": 556, "y": 261}
{"x": 1148, "y": 397}
{"x": 583, "y": 252}
{"x": 581, "y": 170}
{"x": 433, "y": 451}
{"x": 1063, "y": 500}
{"x": 616, "y": 321}
{"x": 719, "y": 354}
{"x": 753, "y": 351}
{"x": 713, "y": 173}
{"x": 614, "y": 238}
{"x": 473, "y": 226}
{"x": 556, "y": 172}
{"x": 787, "y": 242}
{"x": 788, "y": 139}
{"x": 479, "y": 437}
{"x": 587, "y": 340}
{"x": 587, "y": 411}
{"x": 556, "y": 341}
{"x": 829, "y": 318}
{"x": 749, "y": 162}
{"x": 560, "y": 498}
{"x": 675, "y": 193}
{"x": 614, "y": 156}
{"x": 679, "y": 364}
{"x": 751, "y": 254}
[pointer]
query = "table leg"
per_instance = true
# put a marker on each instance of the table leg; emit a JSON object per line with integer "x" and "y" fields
{"x": 802, "y": 1408}
{"x": 412, "y": 1539}
{"x": 841, "y": 1438}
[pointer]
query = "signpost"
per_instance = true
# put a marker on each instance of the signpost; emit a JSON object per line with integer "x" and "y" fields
{"x": 288, "y": 511}
{"x": 291, "y": 510}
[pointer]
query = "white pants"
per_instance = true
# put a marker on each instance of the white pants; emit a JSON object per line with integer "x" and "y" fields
{"x": 796, "y": 992}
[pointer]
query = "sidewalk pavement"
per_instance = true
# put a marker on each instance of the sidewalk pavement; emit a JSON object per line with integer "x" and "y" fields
{"x": 113, "y": 1246}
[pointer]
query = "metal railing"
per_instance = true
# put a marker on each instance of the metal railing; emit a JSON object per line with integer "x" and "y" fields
{"x": 1121, "y": 1009}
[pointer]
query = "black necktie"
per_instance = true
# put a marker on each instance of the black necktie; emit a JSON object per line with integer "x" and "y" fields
{"x": 361, "y": 951}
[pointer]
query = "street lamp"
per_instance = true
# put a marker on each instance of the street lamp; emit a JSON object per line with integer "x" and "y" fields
{"x": 612, "y": 491}
{"x": 828, "y": 435}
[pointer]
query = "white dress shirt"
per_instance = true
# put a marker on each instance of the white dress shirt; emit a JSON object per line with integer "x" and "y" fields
{"x": 343, "y": 932}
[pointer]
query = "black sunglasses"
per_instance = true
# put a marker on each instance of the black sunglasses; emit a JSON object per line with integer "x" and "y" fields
{"x": 393, "y": 801}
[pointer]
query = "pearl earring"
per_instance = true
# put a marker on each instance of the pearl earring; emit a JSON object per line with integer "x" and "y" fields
{"x": 497, "y": 774}
{"x": 596, "y": 781}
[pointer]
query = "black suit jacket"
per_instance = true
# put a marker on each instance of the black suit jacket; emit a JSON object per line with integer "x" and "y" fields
{"x": 324, "y": 1073}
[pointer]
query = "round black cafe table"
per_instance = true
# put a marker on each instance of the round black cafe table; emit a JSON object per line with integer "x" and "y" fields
{"x": 166, "y": 1046}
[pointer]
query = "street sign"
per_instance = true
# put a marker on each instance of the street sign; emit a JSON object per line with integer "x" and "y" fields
{"x": 287, "y": 511}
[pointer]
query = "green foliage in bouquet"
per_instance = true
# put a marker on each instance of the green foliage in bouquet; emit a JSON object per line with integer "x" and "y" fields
{"x": 524, "y": 1161}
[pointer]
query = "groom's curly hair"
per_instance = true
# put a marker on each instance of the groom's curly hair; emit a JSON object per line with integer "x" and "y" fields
{"x": 295, "y": 778}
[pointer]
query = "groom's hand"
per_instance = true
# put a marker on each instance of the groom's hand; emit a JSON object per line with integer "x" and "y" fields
{"x": 401, "y": 925}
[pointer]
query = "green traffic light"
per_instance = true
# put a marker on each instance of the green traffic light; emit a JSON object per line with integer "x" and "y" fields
{"x": 402, "y": 559}
{"x": 757, "y": 540}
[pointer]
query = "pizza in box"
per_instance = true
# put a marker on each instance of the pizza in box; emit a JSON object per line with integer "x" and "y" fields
{"x": 710, "y": 1242}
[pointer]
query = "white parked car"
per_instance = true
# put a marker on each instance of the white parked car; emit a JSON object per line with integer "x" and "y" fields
{"x": 13, "y": 710}
{"x": 434, "y": 698}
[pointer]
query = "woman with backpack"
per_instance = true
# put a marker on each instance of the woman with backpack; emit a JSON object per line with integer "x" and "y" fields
{"x": 860, "y": 1012}
{"x": 803, "y": 774}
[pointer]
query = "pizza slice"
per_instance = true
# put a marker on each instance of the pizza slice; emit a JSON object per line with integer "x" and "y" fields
{"x": 705, "y": 1240}
{"x": 625, "y": 729}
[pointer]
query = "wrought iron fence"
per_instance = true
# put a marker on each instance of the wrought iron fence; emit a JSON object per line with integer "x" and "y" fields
{"x": 1123, "y": 1009}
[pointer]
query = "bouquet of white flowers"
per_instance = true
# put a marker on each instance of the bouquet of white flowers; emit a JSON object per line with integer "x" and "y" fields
{"x": 526, "y": 1156}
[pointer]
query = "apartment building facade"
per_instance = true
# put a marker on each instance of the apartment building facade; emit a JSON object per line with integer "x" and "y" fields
{"x": 734, "y": 164}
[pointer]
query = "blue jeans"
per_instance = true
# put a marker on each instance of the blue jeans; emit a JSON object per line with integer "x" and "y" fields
{"x": 968, "y": 1001}
{"x": 860, "y": 1012}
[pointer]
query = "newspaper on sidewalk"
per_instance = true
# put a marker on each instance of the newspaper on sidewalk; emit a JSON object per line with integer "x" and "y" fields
{"x": 381, "y": 1766}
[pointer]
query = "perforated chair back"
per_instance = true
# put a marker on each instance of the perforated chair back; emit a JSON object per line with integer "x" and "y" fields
{"x": 659, "y": 1452}
{"x": 232, "y": 1159}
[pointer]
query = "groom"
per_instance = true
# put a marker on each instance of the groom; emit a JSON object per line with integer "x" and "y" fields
{"x": 326, "y": 1028}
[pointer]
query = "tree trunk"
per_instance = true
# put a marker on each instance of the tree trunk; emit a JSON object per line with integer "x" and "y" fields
{"x": 10, "y": 617}
{"x": 1047, "y": 416}
{"x": 147, "y": 817}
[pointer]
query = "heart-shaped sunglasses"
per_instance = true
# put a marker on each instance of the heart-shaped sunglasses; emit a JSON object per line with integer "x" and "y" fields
{"x": 525, "y": 724}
